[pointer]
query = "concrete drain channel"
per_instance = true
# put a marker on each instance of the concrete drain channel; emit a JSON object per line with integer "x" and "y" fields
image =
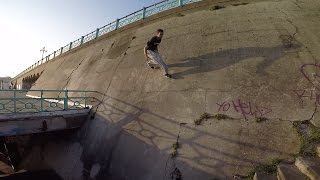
{"x": 14, "y": 149}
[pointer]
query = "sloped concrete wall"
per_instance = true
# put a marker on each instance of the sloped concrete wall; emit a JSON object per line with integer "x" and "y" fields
{"x": 248, "y": 60}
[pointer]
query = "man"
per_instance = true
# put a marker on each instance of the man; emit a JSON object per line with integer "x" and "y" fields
{"x": 151, "y": 52}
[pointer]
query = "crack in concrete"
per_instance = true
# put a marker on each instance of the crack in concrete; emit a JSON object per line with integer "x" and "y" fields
{"x": 296, "y": 29}
{"x": 292, "y": 24}
{"x": 177, "y": 142}
{"x": 296, "y": 32}
{"x": 104, "y": 94}
{"x": 314, "y": 112}
{"x": 313, "y": 57}
{"x": 296, "y": 3}
{"x": 69, "y": 77}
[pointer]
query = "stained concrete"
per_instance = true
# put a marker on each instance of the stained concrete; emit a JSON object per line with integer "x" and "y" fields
{"x": 245, "y": 60}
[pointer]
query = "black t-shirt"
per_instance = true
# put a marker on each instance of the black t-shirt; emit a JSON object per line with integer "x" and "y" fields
{"x": 153, "y": 43}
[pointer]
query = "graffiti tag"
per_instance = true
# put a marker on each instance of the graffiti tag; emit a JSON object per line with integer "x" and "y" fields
{"x": 306, "y": 94}
{"x": 313, "y": 78}
{"x": 244, "y": 108}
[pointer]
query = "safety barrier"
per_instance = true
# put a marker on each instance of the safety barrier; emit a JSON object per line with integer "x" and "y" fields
{"x": 15, "y": 101}
{"x": 136, "y": 16}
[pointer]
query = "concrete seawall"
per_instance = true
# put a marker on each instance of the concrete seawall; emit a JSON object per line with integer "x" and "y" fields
{"x": 248, "y": 60}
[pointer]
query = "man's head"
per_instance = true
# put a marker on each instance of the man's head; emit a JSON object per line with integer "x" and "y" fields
{"x": 159, "y": 33}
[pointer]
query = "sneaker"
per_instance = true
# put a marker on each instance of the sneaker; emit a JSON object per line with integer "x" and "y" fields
{"x": 168, "y": 75}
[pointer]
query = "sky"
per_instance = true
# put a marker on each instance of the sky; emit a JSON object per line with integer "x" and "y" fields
{"x": 26, "y": 26}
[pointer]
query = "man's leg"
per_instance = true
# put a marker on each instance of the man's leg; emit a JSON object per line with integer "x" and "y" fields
{"x": 155, "y": 56}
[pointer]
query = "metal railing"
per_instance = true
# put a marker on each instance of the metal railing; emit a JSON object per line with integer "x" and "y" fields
{"x": 136, "y": 16}
{"x": 15, "y": 101}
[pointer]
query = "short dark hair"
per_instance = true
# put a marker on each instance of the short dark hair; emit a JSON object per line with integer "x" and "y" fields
{"x": 159, "y": 30}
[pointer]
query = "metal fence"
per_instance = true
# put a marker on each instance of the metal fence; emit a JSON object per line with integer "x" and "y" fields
{"x": 136, "y": 16}
{"x": 16, "y": 101}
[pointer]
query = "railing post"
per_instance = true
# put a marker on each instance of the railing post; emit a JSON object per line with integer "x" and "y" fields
{"x": 85, "y": 99}
{"x": 41, "y": 101}
{"x": 54, "y": 54}
{"x": 14, "y": 101}
{"x": 70, "y": 45}
{"x": 117, "y": 23}
{"x": 181, "y": 3}
{"x": 65, "y": 104}
{"x": 97, "y": 32}
{"x": 143, "y": 12}
{"x": 61, "y": 49}
{"x": 82, "y": 37}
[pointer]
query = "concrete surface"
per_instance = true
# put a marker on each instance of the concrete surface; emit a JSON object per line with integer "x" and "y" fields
{"x": 245, "y": 60}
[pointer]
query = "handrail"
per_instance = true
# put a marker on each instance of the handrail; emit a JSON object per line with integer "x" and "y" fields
{"x": 45, "y": 90}
{"x": 136, "y": 16}
{"x": 15, "y": 101}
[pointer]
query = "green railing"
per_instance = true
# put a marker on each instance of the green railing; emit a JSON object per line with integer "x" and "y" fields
{"x": 17, "y": 101}
{"x": 133, "y": 17}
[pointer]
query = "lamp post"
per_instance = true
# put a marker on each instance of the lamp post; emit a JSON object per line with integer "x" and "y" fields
{"x": 43, "y": 51}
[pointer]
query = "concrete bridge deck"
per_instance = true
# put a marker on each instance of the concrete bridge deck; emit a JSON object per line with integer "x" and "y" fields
{"x": 29, "y": 123}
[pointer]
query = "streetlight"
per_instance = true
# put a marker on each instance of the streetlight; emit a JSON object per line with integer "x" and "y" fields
{"x": 43, "y": 51}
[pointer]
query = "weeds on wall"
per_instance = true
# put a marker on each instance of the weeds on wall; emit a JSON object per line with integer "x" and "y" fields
{"x": 260, "y": 119}
{"x": 216, "y": 7}
{"x": 309, "y": 137}
{"x": 205, "y": 116}
{"x": 175, "y": 147}
{"x": 176, "y": 174}
{"x": 240, "y": 4}
{"x": 265, "y": 168}
{"x": 180, "y": 15}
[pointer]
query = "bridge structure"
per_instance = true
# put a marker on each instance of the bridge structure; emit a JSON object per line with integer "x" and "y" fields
{"x": 45, "y": 110}
{"x": 24, "y": 115}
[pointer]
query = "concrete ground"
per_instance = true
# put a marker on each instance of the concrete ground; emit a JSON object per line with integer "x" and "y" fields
{"x": 244, "y": 59}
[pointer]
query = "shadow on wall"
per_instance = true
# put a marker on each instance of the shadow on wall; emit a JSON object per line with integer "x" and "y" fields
{"x": 29, "y": 81}
{"x": 221, "y": 59}
{"x": 125, "y": 143}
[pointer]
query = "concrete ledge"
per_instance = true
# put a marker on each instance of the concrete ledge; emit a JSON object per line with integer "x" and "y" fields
{"x": 26, "y": 116}
{"x": 309, "y": 166}
{"x": 29, "y": 123}
{"x": 289, "y": 172}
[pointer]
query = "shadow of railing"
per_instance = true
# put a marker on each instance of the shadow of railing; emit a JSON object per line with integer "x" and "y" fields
{"x": 198, "y": 148}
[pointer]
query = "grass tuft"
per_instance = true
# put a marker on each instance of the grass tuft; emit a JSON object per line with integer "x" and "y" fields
{"x": 205, "y": 116}
{"x": 265, "y": 168}
{"x": 261, "y": 119}
{"x": 216, "y": 7}
{"x": 309, "y": 137}
{"x": 221, "y": 116}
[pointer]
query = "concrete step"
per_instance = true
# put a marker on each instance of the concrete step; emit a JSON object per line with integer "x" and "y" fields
{"x": 310, "y": 166}
{"x": 264, "y": 176}
{"x": 289, "y": 172}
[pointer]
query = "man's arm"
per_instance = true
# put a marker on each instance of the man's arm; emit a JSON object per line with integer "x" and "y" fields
{"x": 145, "y": 52}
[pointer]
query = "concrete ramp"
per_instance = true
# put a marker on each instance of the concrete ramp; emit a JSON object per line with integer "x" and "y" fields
{"x": 254, "y": 61}
{"x": 30, "y": 123}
